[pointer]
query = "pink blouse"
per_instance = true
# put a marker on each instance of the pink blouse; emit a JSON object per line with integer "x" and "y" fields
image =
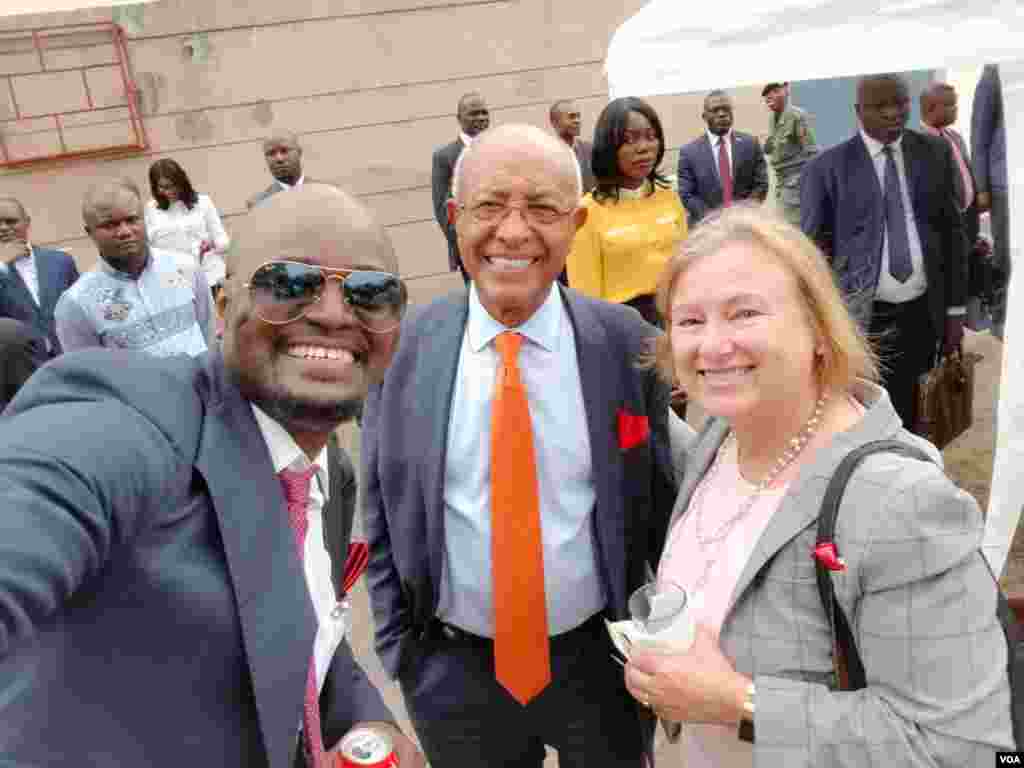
{"x": 719, "y": 496}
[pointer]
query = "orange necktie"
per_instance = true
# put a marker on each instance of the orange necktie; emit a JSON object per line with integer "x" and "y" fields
{"x": 522, "y": 658}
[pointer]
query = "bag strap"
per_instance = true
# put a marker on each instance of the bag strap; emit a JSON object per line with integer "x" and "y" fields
{"x": 848, "y": 665}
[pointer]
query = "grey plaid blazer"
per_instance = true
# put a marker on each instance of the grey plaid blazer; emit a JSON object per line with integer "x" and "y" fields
{"x": 921, "y": 598}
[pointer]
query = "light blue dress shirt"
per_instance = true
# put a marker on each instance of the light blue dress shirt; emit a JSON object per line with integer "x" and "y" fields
{"x": 550, "y": 372}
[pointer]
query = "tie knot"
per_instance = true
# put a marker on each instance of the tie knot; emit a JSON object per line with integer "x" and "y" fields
{"x": 508, "y": 344}
{"x": 295, "y": 484}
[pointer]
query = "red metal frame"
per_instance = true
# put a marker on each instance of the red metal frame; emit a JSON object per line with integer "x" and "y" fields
{"x": 39, "y": 38}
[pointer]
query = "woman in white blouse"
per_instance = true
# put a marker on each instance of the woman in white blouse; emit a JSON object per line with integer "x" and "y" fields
{"x": 180, "y": 220}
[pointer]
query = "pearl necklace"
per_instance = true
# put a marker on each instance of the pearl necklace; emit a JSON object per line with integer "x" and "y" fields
{"x": 716, "y": 537}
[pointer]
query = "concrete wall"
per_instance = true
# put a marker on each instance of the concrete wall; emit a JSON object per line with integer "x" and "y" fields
{"x": 370, "y": 86}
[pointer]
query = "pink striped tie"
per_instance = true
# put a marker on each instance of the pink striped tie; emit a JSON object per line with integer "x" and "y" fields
{"x": 296, "y": 495}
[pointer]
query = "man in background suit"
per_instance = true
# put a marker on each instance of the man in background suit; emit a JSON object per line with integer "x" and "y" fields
{"x": 938, "y": 114}
{"x": 174, "y": 528}
{"x": 31, "y": 278}
{"x": 473, "y": 117}
{"x": 988, "y": 145}
{"x": 502, "y": 532}
{"x": 566, "y": 118}
{"x": 881, "y": 207}
{"x": 710, "y": 178}
{"x": 283, "y": 154}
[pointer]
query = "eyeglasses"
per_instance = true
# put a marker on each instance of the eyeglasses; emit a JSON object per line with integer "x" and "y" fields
{"x": 283, "y": 291}
{"x": 535, "y": 214}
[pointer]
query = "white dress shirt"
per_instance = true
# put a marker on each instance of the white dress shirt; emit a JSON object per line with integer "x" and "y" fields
{"x": 183, "y": 230}
{"x": 316, "y": 561}
{"x": 889, "y": 288}
{"x": 550, "y": 372}
{"x": 716, "y": 147}
{"x": 285, "y": 186}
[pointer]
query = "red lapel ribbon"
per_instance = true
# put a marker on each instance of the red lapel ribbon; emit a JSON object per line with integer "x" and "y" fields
{"x": 825, "y": 553}
{"x": 633, "y": 429}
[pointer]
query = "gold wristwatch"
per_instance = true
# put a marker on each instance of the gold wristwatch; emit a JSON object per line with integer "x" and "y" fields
{"x": 746, "y": 730}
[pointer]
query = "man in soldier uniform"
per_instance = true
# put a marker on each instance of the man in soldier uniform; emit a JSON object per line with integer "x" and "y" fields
{"x": 789, "y": 146}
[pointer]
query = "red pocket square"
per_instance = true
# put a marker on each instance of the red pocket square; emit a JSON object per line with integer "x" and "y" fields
{"x": 633, "y": 429}
{"x": 355, "y": 564}
{"x": 827, "y": 554}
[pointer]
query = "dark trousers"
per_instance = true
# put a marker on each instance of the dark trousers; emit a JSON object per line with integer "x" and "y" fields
{"x": 906, "y": 343}
{"x": 464, "y": 717}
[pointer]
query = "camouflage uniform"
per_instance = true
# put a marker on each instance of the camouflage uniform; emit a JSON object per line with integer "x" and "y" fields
{"x": 790, "y": 145}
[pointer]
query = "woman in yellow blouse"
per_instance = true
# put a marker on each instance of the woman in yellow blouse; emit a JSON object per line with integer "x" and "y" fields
{"x": 634, "y": 216}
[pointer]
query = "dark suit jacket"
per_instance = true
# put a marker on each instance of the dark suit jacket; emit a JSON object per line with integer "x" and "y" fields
{"x": 699, "y": 185}
{"x": 441, "y": 170}
{"x": 22, "y": 351}
{"x": 404, "y": 459}
{"x": 842, "y": 210}
{"x": 153, "y": 609}
{"x": 584, "y": 151}
{"x": 56, "y": 272}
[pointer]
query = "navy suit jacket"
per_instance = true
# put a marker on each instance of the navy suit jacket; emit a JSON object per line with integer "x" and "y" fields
{"x": 442, "y": 167}
{"x": 56, "y": 273}
{"x": 842, "y": 210}
{"x": 153, "y": 607}
{"x": 403, "y": 454}
{"x": 699, "y": 185}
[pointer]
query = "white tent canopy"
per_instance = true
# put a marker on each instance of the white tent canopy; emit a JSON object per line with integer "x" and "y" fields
{"x": 671, "y": 47}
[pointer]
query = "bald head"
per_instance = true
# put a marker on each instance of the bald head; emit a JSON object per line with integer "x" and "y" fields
{"x": 313, "y": 219}
{"x": 283, "y": 154}
{"x": 105, "y": 195}
{"x": 510, "y": 140}
{"x": 15, "y": 203}
{"x": 939, "y": 105}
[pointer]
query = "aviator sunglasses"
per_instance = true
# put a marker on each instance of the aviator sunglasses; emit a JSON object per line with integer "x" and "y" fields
{"x": 283, "y": 291}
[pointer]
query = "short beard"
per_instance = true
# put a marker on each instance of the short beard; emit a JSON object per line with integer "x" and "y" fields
{"x": 306, "y": 416}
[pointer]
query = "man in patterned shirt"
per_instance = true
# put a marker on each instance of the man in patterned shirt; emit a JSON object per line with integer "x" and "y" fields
{"x": 135, "y": 297}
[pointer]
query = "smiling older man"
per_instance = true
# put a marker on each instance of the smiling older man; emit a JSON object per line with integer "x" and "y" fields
{"x": 517, "y": 510}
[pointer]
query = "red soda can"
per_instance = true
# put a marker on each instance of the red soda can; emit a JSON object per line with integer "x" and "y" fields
{"x": 366, "y": 748}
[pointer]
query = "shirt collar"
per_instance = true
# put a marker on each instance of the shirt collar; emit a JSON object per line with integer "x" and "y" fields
{"x": 298, "y": 183}
{"x": 285, "y": 452}
{"x": 105, "y": 267}
{"x": 30, "y": 258}
{"x": 930, "y": 129}
{"x": 635, "y": 194}
{"x": 875, "y": 147}
{"x": 465, "y": 138}
{"x": 542, "y": 328}
{"x": 713, "y": 138}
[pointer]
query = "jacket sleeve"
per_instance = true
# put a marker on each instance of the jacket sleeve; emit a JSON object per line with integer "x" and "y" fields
{"x": 922, "y": 603}
{"x": 68, "y": 507}
{"x": 440, "y": 187}
{"x": 688, "y": 187}
{"x": 215, "y": 227}
{"x": 983, "y": 122}
{"x": 759, "y": 189}
{"x": 816, "y": 206}
{"x": 392, "y": 616}
{"x": 585, "y": 263}
{"x": 957, "y": 247}
{"x": 349, "y": 697}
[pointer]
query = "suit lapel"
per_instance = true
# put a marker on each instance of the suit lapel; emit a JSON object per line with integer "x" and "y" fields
{"x": 709, "y": 153}
{"x": 802, "y": 502}
{"x": 602, "y": 399}
{"x": 912, "y": 167}
{"x": 18, "y": 290}
{"x": 737, "y": 148}
{"x": 435, "y": 382}
{"x": 274, "y": 608}
{"x": 46, "y": 274}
